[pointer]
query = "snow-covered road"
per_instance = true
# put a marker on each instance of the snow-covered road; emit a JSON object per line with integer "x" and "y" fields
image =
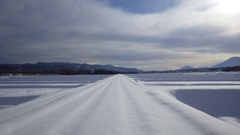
{"x": 117, "y": 105}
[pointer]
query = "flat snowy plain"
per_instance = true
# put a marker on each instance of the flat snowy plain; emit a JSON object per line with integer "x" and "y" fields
{"x": 139, "y": 104}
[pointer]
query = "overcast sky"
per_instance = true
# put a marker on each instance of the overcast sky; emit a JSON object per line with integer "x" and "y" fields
{"x": 146, "y": 34}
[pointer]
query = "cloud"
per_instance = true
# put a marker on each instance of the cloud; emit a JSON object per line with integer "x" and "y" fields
{"x": 87, "y": 31}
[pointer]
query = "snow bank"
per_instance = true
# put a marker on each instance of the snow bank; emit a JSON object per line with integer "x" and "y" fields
{"x": 214, "y": 93}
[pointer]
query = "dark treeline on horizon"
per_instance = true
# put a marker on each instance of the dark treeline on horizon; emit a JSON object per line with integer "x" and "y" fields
{"x": 15, "y": 69}
{"x": 62, "y": 69}
{"x": 60, "y": 72}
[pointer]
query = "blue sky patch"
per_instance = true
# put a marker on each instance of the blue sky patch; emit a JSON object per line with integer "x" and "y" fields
{"x": 143, "y": 6}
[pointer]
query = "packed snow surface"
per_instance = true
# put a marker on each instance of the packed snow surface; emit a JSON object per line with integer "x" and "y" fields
{"x": 151, "y": 104}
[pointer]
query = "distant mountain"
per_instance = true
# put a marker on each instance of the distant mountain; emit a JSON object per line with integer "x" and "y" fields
{"x": 93, "y": 68}
{"x": 64, "y": 68}
{"x": 233, "y": 61}
{"x": 186, "y": 67}
{"x": 203, "y": 67}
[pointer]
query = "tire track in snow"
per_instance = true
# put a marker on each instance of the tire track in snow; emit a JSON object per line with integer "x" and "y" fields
{"x": 142, "y": 123}
{"x": 40, "y": 102}
{"x": 115, "y": 106}
{"x": 108, "y": 116}
{"x": 32, "y": 116}
{"x": 80, "y": 111}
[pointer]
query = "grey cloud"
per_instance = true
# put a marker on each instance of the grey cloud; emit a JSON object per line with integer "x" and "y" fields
{"x": 230, "y": 44}
{"x": 132, "y": 53}
{"x": 200, "y": 37}
{"x": 86, "y": 31}
{"x": 192, "y": 37}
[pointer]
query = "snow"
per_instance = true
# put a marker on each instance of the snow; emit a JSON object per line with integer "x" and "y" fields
{"x": 139, "y": 104}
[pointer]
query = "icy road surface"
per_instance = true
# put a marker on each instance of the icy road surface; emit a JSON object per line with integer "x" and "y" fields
{"x": 117, "y": 105}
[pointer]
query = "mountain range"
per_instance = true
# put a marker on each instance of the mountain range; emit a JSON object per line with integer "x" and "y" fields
{"x": 186, "y": 67}
{"x": 64, "y": 68}
{"x": 231, "y": 62}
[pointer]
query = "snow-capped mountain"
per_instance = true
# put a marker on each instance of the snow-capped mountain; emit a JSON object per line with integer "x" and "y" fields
{"x": 231, "y": 62}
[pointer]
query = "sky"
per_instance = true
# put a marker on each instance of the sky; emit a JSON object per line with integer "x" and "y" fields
{"x": 145, "y": 34}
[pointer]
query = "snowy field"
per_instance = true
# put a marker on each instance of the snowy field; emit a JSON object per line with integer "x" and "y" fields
{"x": 17, "y": 89}
{"x": 138, "y": 104}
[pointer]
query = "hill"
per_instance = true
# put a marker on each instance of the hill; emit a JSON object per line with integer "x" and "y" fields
{"x": 231, "y": 62}
{"x": 186, "y": 67}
